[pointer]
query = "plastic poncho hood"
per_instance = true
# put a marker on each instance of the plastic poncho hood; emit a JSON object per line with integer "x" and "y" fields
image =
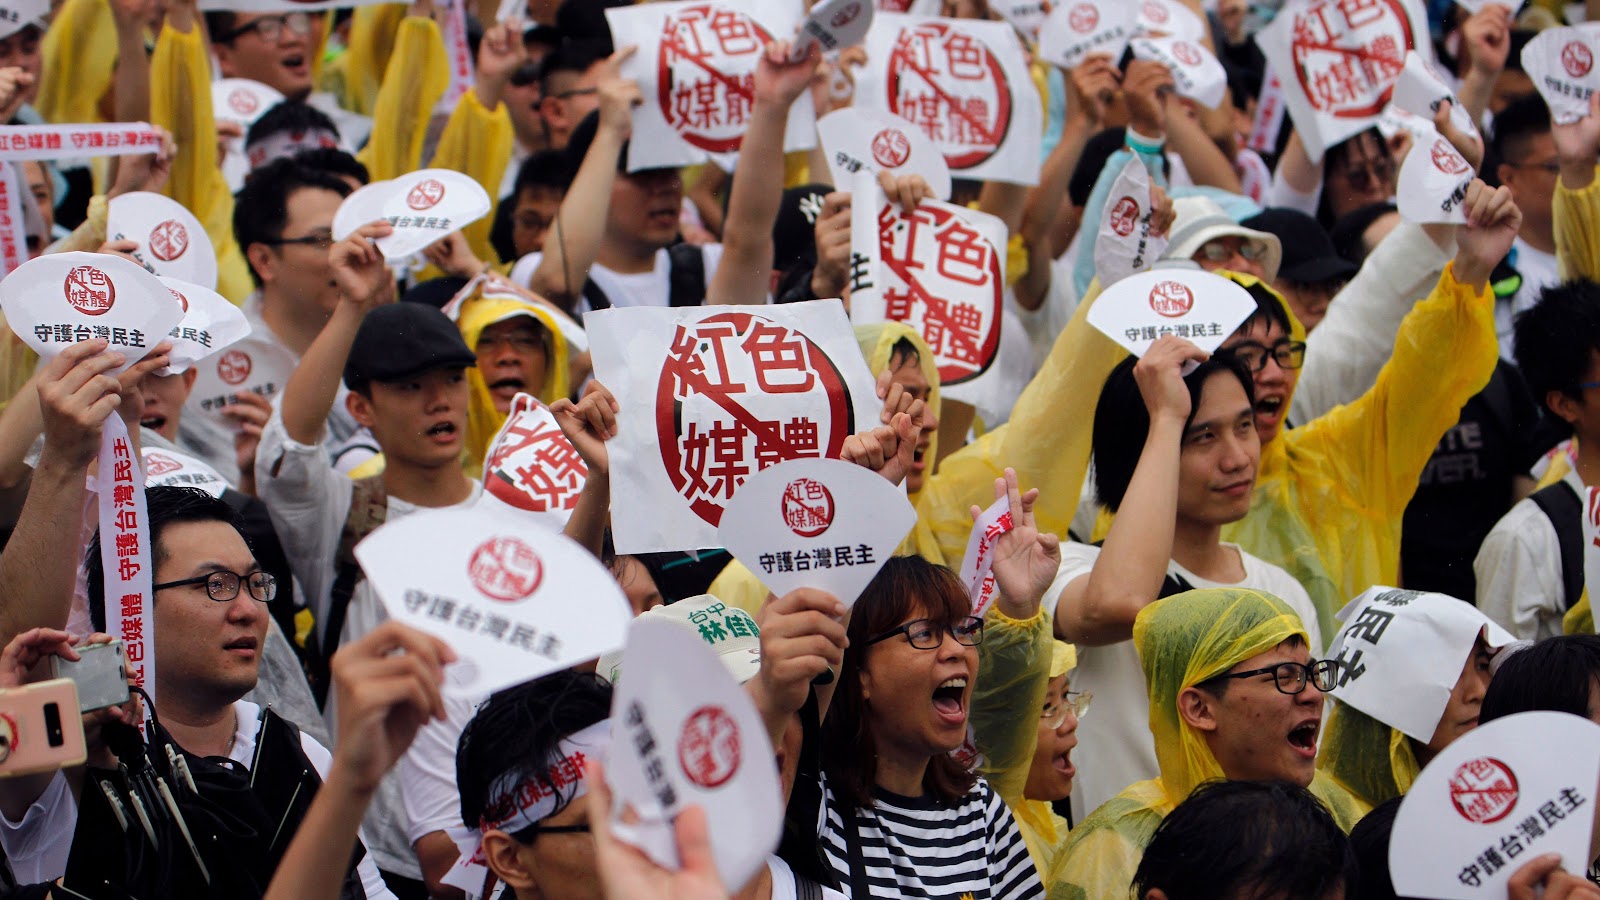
{"x": 483, "y": 419}
{"x": 1185, "y": 639}
{"x": 877, "y": 345}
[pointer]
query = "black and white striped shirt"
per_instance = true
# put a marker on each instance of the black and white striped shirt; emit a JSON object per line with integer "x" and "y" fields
{"x": 919, "y": 847}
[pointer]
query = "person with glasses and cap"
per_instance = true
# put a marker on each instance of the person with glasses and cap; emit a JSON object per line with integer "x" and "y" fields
{"x": 209, "y": 622}
{"x": 1176, "y": 461}
{"x": 1235, "y": 692}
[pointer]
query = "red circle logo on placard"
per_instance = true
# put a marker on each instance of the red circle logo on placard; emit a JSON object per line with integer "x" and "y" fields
{"x": 233, "y": 366}
{"x": 1446, "y": 159}
{"x": 1083, "y": 18}
{"x": 845, "y": 16}
{"x": 1171, "y": 299}
{"x": 952, "y": 86}
{"x": 739, "y": 393}
{"x": 708, "y": 747}
{"x": 505, "y": 569}
{"x": 156, "y": 465}
{"x": 705, "y": 74}
{"x": 168, "y": 240}
{"x": 1483, "y": 790}
{"x": 425, "y": 194}
{"x": 1577, "y": 59}
{"x": 243, "y": 102}
{"x": 1186, "y": 53}
{"x": 182, "y": 300}
{"x": 1155, "y": 13}
{"x": 807, "y": 507}
{"x": 1123, "y": 216}
{"x": 90, "y": 291}
{"x": 891, "y": 148}
{"x": 1347, "y": 55}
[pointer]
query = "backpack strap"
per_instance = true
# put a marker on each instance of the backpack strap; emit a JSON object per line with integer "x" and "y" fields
{"x": 596, "y": 297}
{"x": 1562, "y": 506}
{"x": 686, "y": 275}
{"x": 369, "y": 507}
{"x": 1171, "y": 584}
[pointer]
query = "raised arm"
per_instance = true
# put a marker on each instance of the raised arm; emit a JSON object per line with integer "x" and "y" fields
{"x": 588, "y": 425}
{"x": 743, "y": 275}
{"x": 477, "y": 139}
{"x": 1486, "y": 41}
{"x": 417, "y": 76}
{"x": 1577, "y": 202}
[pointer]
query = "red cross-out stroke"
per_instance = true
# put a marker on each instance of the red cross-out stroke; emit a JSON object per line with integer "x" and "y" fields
{"x": 815, "y": 513}
{"x": 729, "y": 83}
{"x": 1360, "y": 53}
{"x": 904, "y": 56}
{"x": 767, "y": 431}
{"x": 935, "y": 308}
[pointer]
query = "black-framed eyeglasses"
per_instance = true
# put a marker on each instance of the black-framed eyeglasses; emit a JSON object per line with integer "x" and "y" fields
{"x": 1288, "y": 354}
{"x": 1219, "y": 250}
{"x": 320, "y": 239}
{"x": 1362, "y": 176}
{"x": 222, "y": 586}
{"x": 1291, "y": 677}
{"x": 1549, "y": 166}
{"x": 926, "y": 634}
{"x": 271, "y": 27}
{"x": 576, "y": 92}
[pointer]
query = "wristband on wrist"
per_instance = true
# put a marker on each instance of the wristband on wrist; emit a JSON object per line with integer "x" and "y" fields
{"x": 1138, "y": 143}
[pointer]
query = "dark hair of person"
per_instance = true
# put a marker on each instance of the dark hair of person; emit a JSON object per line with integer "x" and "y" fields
{"x": 163, "y": 506}
{"x": 292, "y": 117}
{"x": 1122, "y": 422}
{"x": 220, "y": 24}
{"x": 1515, "y": 126}
{"x": 546, "y": 170}
{"x": 1349, "y": 233}
{"x": 1270, "y": 308}
{"x": 1246, "y": 839}
{"x": 261, "y": 208}
{"x": 1370, "y": 841}
{"x": 334, "y": 161}
{"x": 571, "y": 56}
{"x": 1554, "y": 340}
{"x": 906, "y": 588}
{"x": 1556, "y": 674}
{"x": 517, "y": 733}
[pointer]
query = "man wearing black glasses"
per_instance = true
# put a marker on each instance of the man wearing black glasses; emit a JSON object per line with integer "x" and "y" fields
{"x": 210, "y": 621}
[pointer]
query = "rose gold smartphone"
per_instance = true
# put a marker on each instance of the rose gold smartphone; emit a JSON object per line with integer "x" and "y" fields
{"x": 41, "y": 729}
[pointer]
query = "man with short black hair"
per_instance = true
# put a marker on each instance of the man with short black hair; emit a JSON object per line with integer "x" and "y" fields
{"x": 569, "y": 79}
{"x": 286, "y": 130}
{"x": 1527, "y": 164}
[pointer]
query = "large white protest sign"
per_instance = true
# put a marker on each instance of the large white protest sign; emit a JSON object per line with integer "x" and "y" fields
{"x": 14, "y": 201}
{"x": 855, "y": 139}
{"x": 941, "y": 270}
{"x": 1561, "y": 63}
{"x": 696, "y": 67}
{"x": 1401, "y": 653}
{"x": 169, "y": 468}
{"x": 210, "y": 323}
{"x": 254, "y": 365}
{"x": 833, "y": 25}
{"x": 675, "y": 745}
{"x": 25, "y": 142}
{"x": 1189, "y": 303}
{"x": 531, "y": 466}
{"x": 820, "y": 523}
{"x": 977, "y": 566}
{"x": 171, "y": 241}
{"x": 64, "y": 298}
{"x": 1433, "y": 181}
{"x": 966, "y": 84}
{"x": 513, "y": 599}
{"x": 1500, "y": 795}
{"x": 1196, "y": 73}
{"x": 711, "y": 395}
{"x": 1170, "y": 19}
{"x": 1338, "y": 61}
{"x": 1077, "y": 29}
{"x": 1124, "y": 245}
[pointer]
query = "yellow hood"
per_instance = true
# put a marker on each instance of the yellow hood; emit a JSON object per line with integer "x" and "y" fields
{"x": 877, "y": 343}
{"x": 483, "y": 420}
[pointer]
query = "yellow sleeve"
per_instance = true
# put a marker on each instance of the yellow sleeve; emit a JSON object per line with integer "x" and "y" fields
{"x": 373, "y": 31}
{"x": 1577, "y": 223}
{"x": 477, "y": 142}
{"x": 1046, "y": 441}
{"x": 1377, "y": 446}
{"x": 416, "y": 78}
{"x": 80, "y": 58}
{"x": 1013, "y": 672}
{"x": 180, "y": 101}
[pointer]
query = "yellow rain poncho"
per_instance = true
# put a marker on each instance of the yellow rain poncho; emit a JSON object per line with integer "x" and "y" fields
{"x": 1329, "y": 494}
{"x": 483, "y": 420}
{"x": 1371, "y": 761}
{"x": 1182, "y": 640}
{"x": 1012, "y": 674}
{"x": 737, "y": 586}
{"x": 80, "y": 58}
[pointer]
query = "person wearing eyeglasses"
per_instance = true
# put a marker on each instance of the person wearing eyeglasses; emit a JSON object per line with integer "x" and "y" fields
{"x": 1529, "y": 167}
{"x": 1234, "y": 692}
{"x": 569, "y": 87}
{"x": 210, "y": 616}
{"x": 1176, "y": 459}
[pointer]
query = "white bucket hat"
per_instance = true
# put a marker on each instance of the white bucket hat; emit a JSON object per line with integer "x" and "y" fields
{"x": 1199, "y": 220}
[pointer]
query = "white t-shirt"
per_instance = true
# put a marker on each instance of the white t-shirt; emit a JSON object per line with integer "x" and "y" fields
{"x": 1118, "y": 750}
{"x": 428, "y": 770}
{"x": 1519, "y": 571}
{"x": 1538, "y": 271}
{"x": 651, "y": 288}
{"x": 38, "y": 846}
{"x": 309, "y": 501}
